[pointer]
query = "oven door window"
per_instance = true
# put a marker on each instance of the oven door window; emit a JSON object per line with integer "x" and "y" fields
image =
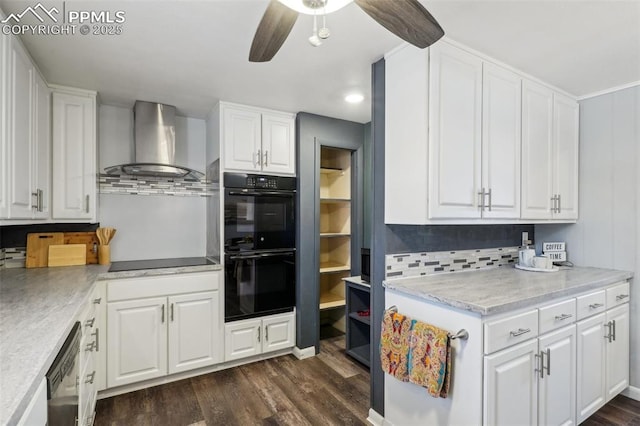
{"x": 258, "y": 285}
{"x": 259, "y": 222}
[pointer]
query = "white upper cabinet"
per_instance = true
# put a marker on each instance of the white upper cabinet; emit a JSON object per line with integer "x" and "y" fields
{"x": 565, "y": 157}
{"x": 549, "y": 154}
{"x": 42, "y": 147}
{"x": 20, "y": 127}
{"x": 537, "y": 125}
{"x": 74, "y": 155}
{"x": 455, "y": 117}
{"x": 501, "y": 141}
{"x": 257, "y": 141}
{"x": 4, "y": 120}
{"x": 500, "y": 148}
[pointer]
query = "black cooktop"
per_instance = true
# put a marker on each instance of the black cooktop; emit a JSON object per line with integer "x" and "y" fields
{"x": 136, "y": 265}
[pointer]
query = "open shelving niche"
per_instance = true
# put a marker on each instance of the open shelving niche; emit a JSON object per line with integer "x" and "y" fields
{"x": 335, "y": 235}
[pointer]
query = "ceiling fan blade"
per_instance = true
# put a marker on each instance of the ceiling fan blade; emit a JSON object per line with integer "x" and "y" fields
{"x": 275, "y": 26}
{"x": 407, "y": 19}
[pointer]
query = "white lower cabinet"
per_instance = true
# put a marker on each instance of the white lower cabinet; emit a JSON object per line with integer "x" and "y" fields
{"x": 257, "y": 336}
{"x": 175, "y": 331}
{"x": 591, "y": 365}
{"x": 617, "y": 352}
{"x": 36, "y": 412}
{"x": 511, "y": 385}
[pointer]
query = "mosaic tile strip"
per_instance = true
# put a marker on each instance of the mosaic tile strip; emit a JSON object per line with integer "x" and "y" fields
{"x": 1, "y": 258}
{"x": 131, "y": 185}
{"x": 15, "y": 257}
{"x": 418, "y": 264}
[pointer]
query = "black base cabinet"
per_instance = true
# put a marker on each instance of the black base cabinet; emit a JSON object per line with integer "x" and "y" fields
{"x": 358, "y": 300}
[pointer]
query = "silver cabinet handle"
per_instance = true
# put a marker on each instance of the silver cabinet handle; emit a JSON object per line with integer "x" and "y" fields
{"x": 563, "y": 317}
{"x": 548, "y": 362}
{"x": 35, "y": 206}
{"x": 481, "y": 205}
{"x": 171, "y": 312}
{"x": 97, "y": 301}
{"x": 596, "y": 305}
{"x": 266, "y": 333}
{"x": 490, "y": 202}
{"x": 520, "y": 332}
{"x": 162, "y": 315}
{"x": 90, "y": 322}
{"x": 258, "y": 334}
{"x": 258, "y": 158}
{"x": 91, "y": 377}
{"x": 614, "y": 330}
{"x": 540, "y": 367}
{"x": 40, "y": 197}
{"x": 609, "y": 335}
{"x": 622, "y": 296}
{"x": 86, "y": 203}
{"x": 266, "y": 158}
{"x": 97, "y": 334}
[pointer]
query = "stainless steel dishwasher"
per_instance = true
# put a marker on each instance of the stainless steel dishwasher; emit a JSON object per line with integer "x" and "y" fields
{"x": 62, "y": 382}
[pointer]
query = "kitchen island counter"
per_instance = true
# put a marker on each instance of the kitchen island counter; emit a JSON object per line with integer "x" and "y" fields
{"x": 496, "y": 290}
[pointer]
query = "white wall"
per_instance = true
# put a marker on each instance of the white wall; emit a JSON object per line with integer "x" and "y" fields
{"x": 152, "y": 226}
{"x": 607, "y": 234}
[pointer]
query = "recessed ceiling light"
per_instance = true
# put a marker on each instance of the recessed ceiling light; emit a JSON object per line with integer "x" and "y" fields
{"x": 354, "y": 98}
{"x": 312, "y": 7}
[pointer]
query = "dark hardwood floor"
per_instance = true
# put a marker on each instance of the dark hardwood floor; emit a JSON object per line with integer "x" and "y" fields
{"x": 329, "y": 389}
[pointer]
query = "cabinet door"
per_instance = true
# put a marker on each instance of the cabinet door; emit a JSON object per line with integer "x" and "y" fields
{"x": 137, "y": 339}
{"x": 279, "y": 333}
{"x": 510, "y": 386}
{"x": 194, "y": 336}
{"x": 278, "y": 144}
{"x": 591, "y": 366}
{"x": 4, "y": 122}
{"x": 74, "y": 157}
{"x": 455, "y": 115}
{"x": 618, "y": 351}
{"x": 42, "y": 147}
{"x": 241, "y": 139}
{"x": 501, "y": 136}
{"x": 557, "y": 388}
{"x": 242, "y": 339}
{"x": 565, "y": 156}
{"x": 537, "y": 173}
{"x": 20, "y": 140}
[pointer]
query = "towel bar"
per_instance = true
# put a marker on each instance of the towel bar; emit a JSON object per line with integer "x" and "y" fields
{"x": 461, "y": 334}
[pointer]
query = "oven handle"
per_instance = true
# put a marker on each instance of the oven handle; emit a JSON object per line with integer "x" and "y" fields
{"x": 262, "y": 255}
{"x": 287, "y": 194}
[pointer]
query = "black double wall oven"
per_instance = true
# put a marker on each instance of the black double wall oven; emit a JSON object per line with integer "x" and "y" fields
{"x": 259, "y": 245}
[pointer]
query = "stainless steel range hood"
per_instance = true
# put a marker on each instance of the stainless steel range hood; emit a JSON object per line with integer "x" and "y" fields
{"x": 155, "y": 144}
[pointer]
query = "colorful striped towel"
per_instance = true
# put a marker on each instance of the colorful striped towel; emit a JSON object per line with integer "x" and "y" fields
{"x": 394, "y": 345}
{"x": 430, "y": 359}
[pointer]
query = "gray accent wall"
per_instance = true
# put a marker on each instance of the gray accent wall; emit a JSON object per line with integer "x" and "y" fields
{"x": 607, "y": 234}
{"x": 312, "y": 131}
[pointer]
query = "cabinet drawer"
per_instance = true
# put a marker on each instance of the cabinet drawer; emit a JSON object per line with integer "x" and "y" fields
{"x": 166, "y": 285}
{"x": 509, "y": 331}
{"x": 617, "y": 295}
{"x": 591, "y": 304}
{"x": 557, "y": 315}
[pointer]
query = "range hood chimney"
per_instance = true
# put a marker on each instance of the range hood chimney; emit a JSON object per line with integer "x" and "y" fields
{"x": 155, "y": 144}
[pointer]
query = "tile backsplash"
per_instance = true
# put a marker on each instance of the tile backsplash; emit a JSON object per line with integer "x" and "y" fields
{"x": 13, "y": 257}
{"x": 131, "y": 185}
{"x": 429, "y": 263}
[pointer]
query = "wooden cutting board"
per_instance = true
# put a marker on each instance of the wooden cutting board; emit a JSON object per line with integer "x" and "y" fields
{"x": 38, "y": 248}
{"x": 89, "y": 239}
{"x": 67, "y": 255}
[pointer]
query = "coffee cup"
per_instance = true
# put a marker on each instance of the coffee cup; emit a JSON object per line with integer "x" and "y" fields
{"x": 525, "y": 257}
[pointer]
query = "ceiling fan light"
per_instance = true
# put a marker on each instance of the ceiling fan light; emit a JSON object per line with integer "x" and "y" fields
{"x": 330, "y": 7}
{"x": 354, "y": 98}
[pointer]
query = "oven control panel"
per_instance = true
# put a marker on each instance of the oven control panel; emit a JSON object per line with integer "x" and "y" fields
{"x": 265, "y": 182}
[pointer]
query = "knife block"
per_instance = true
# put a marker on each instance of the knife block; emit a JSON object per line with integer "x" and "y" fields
{"x": 104, "y": 254}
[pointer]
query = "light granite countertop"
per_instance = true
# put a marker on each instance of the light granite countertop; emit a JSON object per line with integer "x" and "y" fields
{"x": 37, "y": 310}
{"x": 496, "y": 290}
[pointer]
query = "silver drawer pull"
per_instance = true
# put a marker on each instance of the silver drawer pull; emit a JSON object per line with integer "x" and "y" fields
{"x": 563, "y": 317}
{"x": 90, "y": 322}
{"x": 596, "y": 305}
{"x": 520, "y": 332}
{"x": 97, "y": 301}
{"x": 622, "y": 296}
{"x": 91, "y": 346}
{"x": 90, "y": 377}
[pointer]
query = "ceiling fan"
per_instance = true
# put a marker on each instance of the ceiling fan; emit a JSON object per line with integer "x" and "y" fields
{"x": 407, "y": 19}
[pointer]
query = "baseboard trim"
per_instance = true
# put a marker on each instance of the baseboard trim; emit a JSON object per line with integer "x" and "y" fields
{"x": 375, "y": 418}
{"x": 304, "y": 353}
{"x": 632, "y": 392}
